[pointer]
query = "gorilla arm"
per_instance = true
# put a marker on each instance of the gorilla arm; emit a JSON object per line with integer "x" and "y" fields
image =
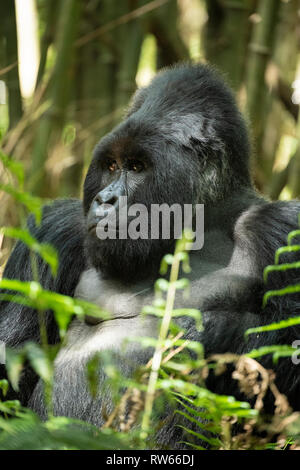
{"x": 63, "y": 227}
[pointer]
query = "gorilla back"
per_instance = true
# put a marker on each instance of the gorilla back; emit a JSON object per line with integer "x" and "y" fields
{"x": 183, "y": 141}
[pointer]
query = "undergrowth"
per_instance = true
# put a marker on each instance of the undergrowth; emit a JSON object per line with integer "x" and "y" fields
{"x": 176, "y": 373}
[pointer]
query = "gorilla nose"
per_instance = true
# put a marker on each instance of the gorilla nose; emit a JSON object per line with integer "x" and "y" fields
{"x": 103, "y": 204}
{"x": 105, "y": 200}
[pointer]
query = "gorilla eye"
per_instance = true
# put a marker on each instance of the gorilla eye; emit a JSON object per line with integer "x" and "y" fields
{"x": 112, "y": 165}
{"x": 136, "y": 165}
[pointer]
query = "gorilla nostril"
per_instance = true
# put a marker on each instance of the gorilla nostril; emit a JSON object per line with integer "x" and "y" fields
{"x": 107, "y": 199}
{"x": 98, "y": 199}
{"x": 111, "y": 200}
{"x": 114, "y": 201}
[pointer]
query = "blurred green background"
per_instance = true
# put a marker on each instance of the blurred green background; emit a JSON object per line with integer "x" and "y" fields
{"x": 68, "y": 69}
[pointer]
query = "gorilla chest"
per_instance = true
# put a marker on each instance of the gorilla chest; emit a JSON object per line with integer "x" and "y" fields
{"x": 117, "y": 335}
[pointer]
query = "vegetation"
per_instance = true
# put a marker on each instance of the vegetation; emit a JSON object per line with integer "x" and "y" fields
{"x": 176, "y": 372}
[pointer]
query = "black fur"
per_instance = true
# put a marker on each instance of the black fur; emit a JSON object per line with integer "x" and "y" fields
{"x": 187, "y": 128}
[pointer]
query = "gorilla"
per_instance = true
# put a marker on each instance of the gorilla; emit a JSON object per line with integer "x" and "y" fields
{"x": 183, "y": 141}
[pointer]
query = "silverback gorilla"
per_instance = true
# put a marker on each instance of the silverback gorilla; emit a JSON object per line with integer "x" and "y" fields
{"x": 182, "y": 141}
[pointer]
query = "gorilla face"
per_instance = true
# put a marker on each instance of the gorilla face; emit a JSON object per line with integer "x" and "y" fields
{"x": 136, "y": 163}
{"x": 177, "y": 145}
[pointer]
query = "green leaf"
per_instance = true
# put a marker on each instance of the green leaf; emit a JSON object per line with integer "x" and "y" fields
{"x": 152, "y": 310}
{"x": 274, "y": 326}
{"x": 189, "y": 312}
{"x": 184, "y": 259}
{"x": 161, "y": 285}
{"x": 63, "y": 306}
{"x": 212, "y": 441}
{"x": 14, "y": 366}
{"x": 285, "y": 249}
{"x": 10, "y": 406}
{"x": 32, "y": 203}
{"x": 280, "y": 267}
{"x": 165, "y": 263}
{"x": 60, "y": 433}
{"x": 47, "y": 252}
{"x": 182, "y": 283}
{"x": 293, "y": 234}
{"x": 39, "y": 361}
{"x": 280, "y": 293}
{"x": 16, "y": 168}
{"x": 92, "y": 372}
{"x": 4, "y": 386}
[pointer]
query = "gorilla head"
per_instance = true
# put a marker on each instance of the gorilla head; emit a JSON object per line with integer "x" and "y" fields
{"x": 178, "y": 144}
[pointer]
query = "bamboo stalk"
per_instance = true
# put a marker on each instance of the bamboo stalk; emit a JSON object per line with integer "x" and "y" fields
{"x": 162, "y": 24}
{"x": 48, "y": 37}
{"x": 260, "y": 49}
{"x": 59, "y": 86}
{"x": 130, "y": 37}
{"x": 9, "y": 32}
{"x": 225, "y": 37}
{"x": 294, "y": 170}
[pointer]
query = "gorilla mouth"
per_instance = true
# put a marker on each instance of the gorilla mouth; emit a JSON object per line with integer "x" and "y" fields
{"x": 94, "y": 321}
{"x": 92, "y": 229}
